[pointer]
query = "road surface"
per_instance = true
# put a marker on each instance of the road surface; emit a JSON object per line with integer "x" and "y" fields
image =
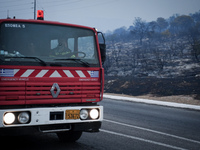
{"x": 127, "y": 125}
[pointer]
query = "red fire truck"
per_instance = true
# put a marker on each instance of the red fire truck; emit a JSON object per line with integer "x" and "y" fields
{"x": 51, "y": 78}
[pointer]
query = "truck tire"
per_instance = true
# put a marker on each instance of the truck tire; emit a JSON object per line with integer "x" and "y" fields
{"x": 69, "y": 136}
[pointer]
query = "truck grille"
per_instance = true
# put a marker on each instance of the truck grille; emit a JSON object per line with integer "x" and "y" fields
{"x": 20, "y": 93}
{"x": 69, "y": 92}
{"x": 12, "y": 93}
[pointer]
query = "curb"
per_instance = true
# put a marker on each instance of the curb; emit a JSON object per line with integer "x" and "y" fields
{"x": 154, "y": 102}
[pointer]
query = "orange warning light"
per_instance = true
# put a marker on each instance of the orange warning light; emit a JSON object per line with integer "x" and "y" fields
{"x": 40, "y": 15}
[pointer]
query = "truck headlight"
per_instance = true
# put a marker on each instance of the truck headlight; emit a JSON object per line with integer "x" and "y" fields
{"x": 9, "y": 118}
{"x": 83, "y": 114}
{"x": 94, "y": 113}
{"x": 23, "y": 117}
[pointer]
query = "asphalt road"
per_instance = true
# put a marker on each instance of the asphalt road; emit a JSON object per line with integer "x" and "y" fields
{"x": 127, "y": 125}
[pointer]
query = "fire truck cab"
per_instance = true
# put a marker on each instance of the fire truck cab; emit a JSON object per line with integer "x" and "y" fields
{"x": 51, "y": 78}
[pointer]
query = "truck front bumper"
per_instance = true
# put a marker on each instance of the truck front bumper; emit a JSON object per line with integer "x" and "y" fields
{"x": 54, "y": 117}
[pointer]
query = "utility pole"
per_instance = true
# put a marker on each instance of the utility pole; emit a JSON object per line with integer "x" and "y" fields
{"x": 7, "y": 14}
{"x": 34, "y": 9}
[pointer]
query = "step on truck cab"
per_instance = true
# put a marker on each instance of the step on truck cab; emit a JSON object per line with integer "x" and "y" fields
{"x": 51, "y": 78}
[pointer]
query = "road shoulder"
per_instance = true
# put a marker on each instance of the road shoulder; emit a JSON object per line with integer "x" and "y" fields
{"x": 149, "y": 101}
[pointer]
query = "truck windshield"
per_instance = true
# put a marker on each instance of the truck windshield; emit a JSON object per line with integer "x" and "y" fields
{"x": 47, "y": 44}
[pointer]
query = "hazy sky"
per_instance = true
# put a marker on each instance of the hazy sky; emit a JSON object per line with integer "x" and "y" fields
{"x": 102, "y": 14}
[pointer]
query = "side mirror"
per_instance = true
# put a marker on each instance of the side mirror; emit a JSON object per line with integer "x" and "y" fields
{"x": 103, "y": 52}
{"x": 102, "y": 46}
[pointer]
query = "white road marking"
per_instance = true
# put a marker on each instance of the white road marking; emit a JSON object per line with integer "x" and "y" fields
{"x": 154, "y": 131}
{"x": 141, "y": 139}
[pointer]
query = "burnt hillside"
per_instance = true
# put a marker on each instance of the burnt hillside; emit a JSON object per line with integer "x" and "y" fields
{"x": 165, "y": 48}
{"x": 153, "y": 86}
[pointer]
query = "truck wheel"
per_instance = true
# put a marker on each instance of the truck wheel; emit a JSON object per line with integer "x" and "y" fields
{"x": 69, "y": 136}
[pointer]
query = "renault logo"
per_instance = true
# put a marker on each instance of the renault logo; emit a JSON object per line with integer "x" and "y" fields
{"x": 55, "y": 90}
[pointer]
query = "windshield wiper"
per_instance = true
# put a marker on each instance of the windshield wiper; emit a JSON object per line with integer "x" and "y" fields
{"x": 36, "y": 58}
{"x": 86, "y": 64}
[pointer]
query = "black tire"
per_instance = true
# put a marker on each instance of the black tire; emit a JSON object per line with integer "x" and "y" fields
{"x": 69, "y": 136}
